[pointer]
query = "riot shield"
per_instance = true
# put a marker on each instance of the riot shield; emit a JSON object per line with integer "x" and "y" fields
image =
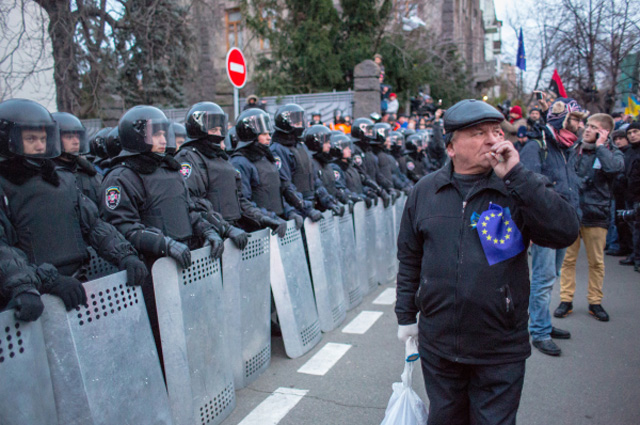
{"x": 323, "y": 247}
{"x": 382, "y": 243}
{"x": 348, "y": 261}
{"x": 25, "y": 380}
{"x": 372, "y": 235}
{"x": 363, "y": 260}
{"x": 98, "y": 266}
{"x": 103, "y": 359}
{"x": 247, "y": 307}
{"x": 292, "y": 293}
{"x": 191, "y": 321}
{"x": 389, "y": 251}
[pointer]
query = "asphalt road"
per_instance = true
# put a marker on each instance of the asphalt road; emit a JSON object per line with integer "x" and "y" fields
{"x": 595, "y": 381}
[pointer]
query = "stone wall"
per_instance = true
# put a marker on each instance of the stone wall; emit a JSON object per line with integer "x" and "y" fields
{"x": 366, "y": 97}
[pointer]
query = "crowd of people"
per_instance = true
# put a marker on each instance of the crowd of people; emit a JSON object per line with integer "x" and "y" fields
{"x": 150, "y": 188}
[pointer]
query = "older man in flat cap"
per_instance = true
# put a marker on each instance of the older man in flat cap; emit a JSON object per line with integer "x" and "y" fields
{"x": 463, "y": 267}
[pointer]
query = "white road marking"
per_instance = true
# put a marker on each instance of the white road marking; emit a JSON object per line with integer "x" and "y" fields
{"x": 275, "y": 407}
{"x": 236, "y": 67}
{"x": 387, "y": 297}
{"x": 324, "y": 359}
{"x": 362, "y": 322}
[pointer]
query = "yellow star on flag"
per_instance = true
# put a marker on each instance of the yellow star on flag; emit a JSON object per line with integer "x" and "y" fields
{"x": 495, "y": 240}
{"x": 501, "y": 240}
{"x": 493, "y": 215}
{"x": 489, "y": 237}
{"x": 506, "y": 222}
{"x": 509, "y": 229}
{"x": 484, "y": 231}
{"x": 507, "y": 236}
{"x": 484, "y": 224}
{"x": 486, "y": 218}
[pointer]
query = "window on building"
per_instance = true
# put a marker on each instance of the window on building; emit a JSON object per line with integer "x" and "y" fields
{"x": 234, "y": 28}
{"x": 270, "y": 17}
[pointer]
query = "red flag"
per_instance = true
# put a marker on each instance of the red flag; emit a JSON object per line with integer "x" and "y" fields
{"x": 556, "y": 84}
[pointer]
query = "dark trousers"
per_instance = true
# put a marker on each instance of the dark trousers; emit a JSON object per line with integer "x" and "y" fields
{"x": 463, "y": 394}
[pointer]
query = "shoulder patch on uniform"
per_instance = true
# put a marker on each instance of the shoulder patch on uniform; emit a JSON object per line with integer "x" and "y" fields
{"x": 112, "y": 197}
{"x": 358, "y": 160}
{"x": 337, "y": 174}
{"x": 185, "y": 170}
{"x": 411, "y": 166}
{"x": 278, "y": 162}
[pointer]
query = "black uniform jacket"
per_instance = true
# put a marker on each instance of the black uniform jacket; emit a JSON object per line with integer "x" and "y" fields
{"x": 471, "y": 312}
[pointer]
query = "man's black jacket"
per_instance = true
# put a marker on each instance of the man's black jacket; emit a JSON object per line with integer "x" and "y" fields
{"x": 444, "y": 274}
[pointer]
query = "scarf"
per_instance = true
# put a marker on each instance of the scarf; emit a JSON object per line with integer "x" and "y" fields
{"x": 564, "y": 137}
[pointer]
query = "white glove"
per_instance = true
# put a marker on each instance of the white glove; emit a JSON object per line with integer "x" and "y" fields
{"x": 407, "y": 331}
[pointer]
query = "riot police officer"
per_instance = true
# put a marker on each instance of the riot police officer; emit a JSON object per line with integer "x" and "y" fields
{"x": 317, "y": 138}
{"x": 75, "y": 144}
{"x": 261, "y": 181}
{"x": 180, "y": 133}
{"x": 145, "y": 198}
{"x": 356, "y": 185}
{"x": 213, "y": 181}
{"x": 397, "y": 150}
{"x": 387, "y": 165}
{"x": 293, "y": 159}
{"x": 98, "y": 150}
{"x": 416, "y": 160}
{"x": 46, "y": 224}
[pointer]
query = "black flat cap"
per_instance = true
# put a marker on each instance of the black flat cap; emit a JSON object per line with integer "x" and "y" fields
{"x": 470, "y": 112}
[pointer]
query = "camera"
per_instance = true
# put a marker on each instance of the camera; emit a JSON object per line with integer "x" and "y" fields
{"x": 629, "y": 215}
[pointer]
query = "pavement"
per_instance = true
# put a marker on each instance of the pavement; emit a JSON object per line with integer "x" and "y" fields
{"x": 596, "y": 380}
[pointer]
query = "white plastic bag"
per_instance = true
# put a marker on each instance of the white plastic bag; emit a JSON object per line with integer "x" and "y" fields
{"x": 405, "y": 406}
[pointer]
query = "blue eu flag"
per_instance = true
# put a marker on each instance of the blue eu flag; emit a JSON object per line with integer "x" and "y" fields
{"x": 499, "y": 236}
{"x": 521, "y": 62}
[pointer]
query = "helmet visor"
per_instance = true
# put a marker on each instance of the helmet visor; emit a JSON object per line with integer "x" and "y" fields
{"x": 383, "y": 132}
{"x": 158, "y": 133}
{"x": 259, "y": 124}
{"x": 74, "y": 142}
{"x": 296, "y": 119}
{"x": 35, "y": 140}
{"x": 396, "y": 140}
{"x": 214, "y": 124}
{"x": 367, "y": 130}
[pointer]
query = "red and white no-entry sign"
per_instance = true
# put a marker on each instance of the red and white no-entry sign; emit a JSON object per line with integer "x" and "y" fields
{"x": 236, "y": 68}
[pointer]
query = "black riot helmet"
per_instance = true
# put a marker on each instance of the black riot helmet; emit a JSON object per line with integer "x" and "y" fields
{"x": 397, "y": 141}
{"x": 27, "y": 129}
{"x": 407, "y": 132}
{"x": 315, "y": 137}
{"x": 231, "y": 140}
{"x": 180, "y": 133}
{"x": 73, "y": 135}
{"x": 97, "y": 145}
{"x": 250, "y": 124}
{"x": 362, "y": 129}
{"x": 206, "y": 120}
{"x": 143, "y": 129}
{"x": 381, "y": 131}
{"x": 112, "y": 144}
{"x": 341, "y": 141}
{"x": 413, "y": 142}
{"x": 289, "y": 119}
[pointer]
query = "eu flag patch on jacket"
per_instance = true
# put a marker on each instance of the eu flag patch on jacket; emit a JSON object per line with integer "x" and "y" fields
{"x": 499, "y": 235}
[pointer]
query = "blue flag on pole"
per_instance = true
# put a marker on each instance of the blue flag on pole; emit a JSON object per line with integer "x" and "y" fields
{"x": 521, "y": 62}
{"x": 499, "y": 236}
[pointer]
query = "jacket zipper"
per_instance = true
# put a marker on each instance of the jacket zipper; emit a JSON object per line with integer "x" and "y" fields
{"x": 455, "y": 297}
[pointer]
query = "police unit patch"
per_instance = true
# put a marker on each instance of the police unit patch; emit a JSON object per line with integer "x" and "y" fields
{"x": 337, "y": 174}
{"x": 112, "y": 197}
{"x": 185, "y": 169}
{"x": 278, "y": 162}
{"x": 358, "y": 160}
{"x": 411, "y": 166}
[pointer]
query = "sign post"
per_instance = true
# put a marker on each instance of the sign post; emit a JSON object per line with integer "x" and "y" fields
{"x": 237, "y": 73}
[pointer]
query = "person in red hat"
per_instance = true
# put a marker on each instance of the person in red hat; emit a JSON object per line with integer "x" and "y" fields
{"x": 392, "y": 104}
{"x": 510, "y": 126}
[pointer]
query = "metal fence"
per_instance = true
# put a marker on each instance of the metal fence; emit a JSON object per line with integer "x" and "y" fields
{"x": 325, "y": 103}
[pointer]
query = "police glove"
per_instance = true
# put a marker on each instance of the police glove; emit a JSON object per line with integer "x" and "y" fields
{"x": 315, "y": 215}
{"x": 179, "y": 252}
{"x": 70, "y": 290}
{"x": 350, "y": 205}
{"x": 407, "y": 331}
{"x": 337, "y": 209}
{"x": 368, "y": 202}
{"x": 394, "y": 196}
{"x": 386, "y": 199}
{"x": 239, "y": 237}
{"x": 297, "y": 218}
{"x": 136, "y": 270}
{"x": 28, "y": 305}
{"x": 213, "y": 239}
{"x": 278, "y": 225}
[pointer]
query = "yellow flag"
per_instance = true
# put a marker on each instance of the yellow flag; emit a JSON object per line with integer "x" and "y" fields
{"x": 632, "y": 108}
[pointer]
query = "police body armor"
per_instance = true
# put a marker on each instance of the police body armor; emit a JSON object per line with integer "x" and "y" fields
{"x": 89, "y": 185}
{"x": 166, "y": 204}
{"x": 303, "y": 176}
{"x": 385, "y": 164}
{"x": 267, "y": 195}
{"x": 352, "y": 178}
{"x": 327, "y": 176}
{"x": 46, "y": 216}
{"x": 222, "y": 187}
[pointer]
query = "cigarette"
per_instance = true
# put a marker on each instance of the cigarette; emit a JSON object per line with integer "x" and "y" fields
{"x": 498, "y": 157}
